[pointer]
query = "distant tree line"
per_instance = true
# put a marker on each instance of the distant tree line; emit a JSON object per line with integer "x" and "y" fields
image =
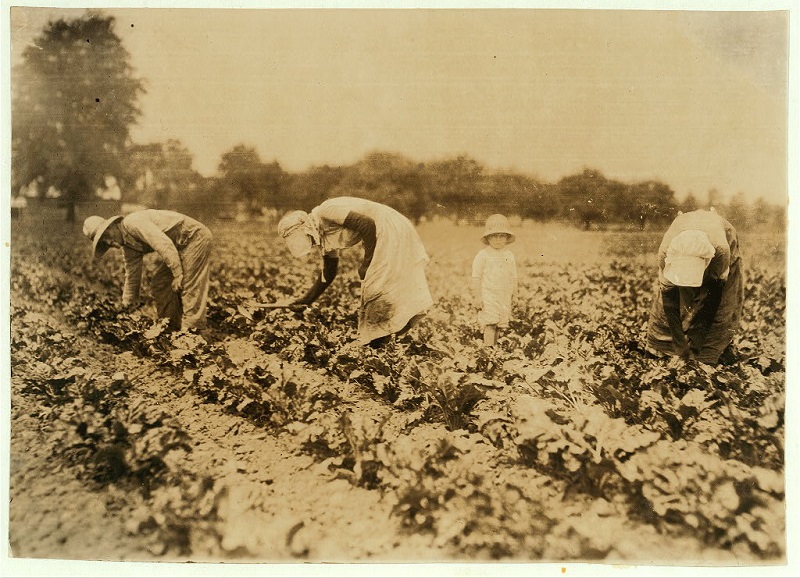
{"x": 75, "y": 99}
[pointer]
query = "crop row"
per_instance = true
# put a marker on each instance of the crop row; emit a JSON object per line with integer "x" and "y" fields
{"x": 569, "y": 395}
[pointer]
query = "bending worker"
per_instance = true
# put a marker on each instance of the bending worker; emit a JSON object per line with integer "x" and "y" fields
{"x": 394, "y": 290}
{"x": 180, "y": 283}
{"x": 700, "y": 290}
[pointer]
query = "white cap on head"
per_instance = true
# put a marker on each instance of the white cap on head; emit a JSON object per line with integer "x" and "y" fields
{"x": 688, "y": 255}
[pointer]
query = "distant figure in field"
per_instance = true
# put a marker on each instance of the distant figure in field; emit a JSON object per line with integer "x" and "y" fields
{"x": 394, "y": 290}
{"x": 494, "y": 278}
{"x": 700, "y": 290}
{"x": 18, "y": 206}
{"x": 180, "y": 284}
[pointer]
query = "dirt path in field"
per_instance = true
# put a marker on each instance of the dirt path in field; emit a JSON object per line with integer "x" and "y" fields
{"x": 51, "y": 512}
{"x": 303, "y": 512}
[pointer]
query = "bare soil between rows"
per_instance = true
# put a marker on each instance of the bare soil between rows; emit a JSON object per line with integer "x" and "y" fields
{"x": 305, "y": 512}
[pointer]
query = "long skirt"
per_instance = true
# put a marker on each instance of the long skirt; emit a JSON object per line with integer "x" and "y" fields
{"x": 389, "y": 312}
{"x": 711, "y": 342}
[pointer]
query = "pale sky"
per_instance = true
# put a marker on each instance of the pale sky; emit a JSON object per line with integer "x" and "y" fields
{"x": 695, "y": 99}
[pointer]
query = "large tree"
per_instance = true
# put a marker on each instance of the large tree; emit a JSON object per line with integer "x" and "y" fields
{"x": 651, "y": 202}
{"x": 74, "y": 101}
{"x": 737, "y": 211}
{"x": 163, "y": 174}
{"x": 388, "y": 178}
{"x": 307, "y": 190}
{"x": 585, "y": 197}
{"x": 455, "y": 186}
{"x": 689, "y": 203}
{"x": 249, "y": 179}
{"x": 240, "y": 170}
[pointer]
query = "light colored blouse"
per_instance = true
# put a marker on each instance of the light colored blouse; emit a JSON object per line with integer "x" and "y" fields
{"x": 153, "y": 230}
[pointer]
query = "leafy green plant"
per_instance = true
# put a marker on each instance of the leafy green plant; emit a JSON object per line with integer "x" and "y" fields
{"x": 451, "y": 395}
{"x": 491, "y": 517}
{"x": 579, "y": 443}
{"x": 723, "y": 501}
{"x": 98, "y": 429}
{"x": 127, "y": 443}
{"x": 363, "y": 437}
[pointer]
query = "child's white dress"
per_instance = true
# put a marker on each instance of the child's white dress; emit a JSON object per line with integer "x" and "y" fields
{"x": 497, "y": 271}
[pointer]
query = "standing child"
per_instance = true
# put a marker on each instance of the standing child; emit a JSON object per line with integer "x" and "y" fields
{"x": 494, "y": 278}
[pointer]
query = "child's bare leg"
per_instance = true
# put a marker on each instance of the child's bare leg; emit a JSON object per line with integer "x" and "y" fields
{"x": 490, "y": 335}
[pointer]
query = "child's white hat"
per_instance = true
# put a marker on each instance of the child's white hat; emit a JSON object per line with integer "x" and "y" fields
{"x": 497, "y": 224}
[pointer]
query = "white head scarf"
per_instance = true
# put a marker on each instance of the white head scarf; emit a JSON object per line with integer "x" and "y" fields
{"x": 298, "y": 224}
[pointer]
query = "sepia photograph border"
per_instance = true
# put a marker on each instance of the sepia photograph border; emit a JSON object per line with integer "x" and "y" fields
{"x": 11, "y": 566}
